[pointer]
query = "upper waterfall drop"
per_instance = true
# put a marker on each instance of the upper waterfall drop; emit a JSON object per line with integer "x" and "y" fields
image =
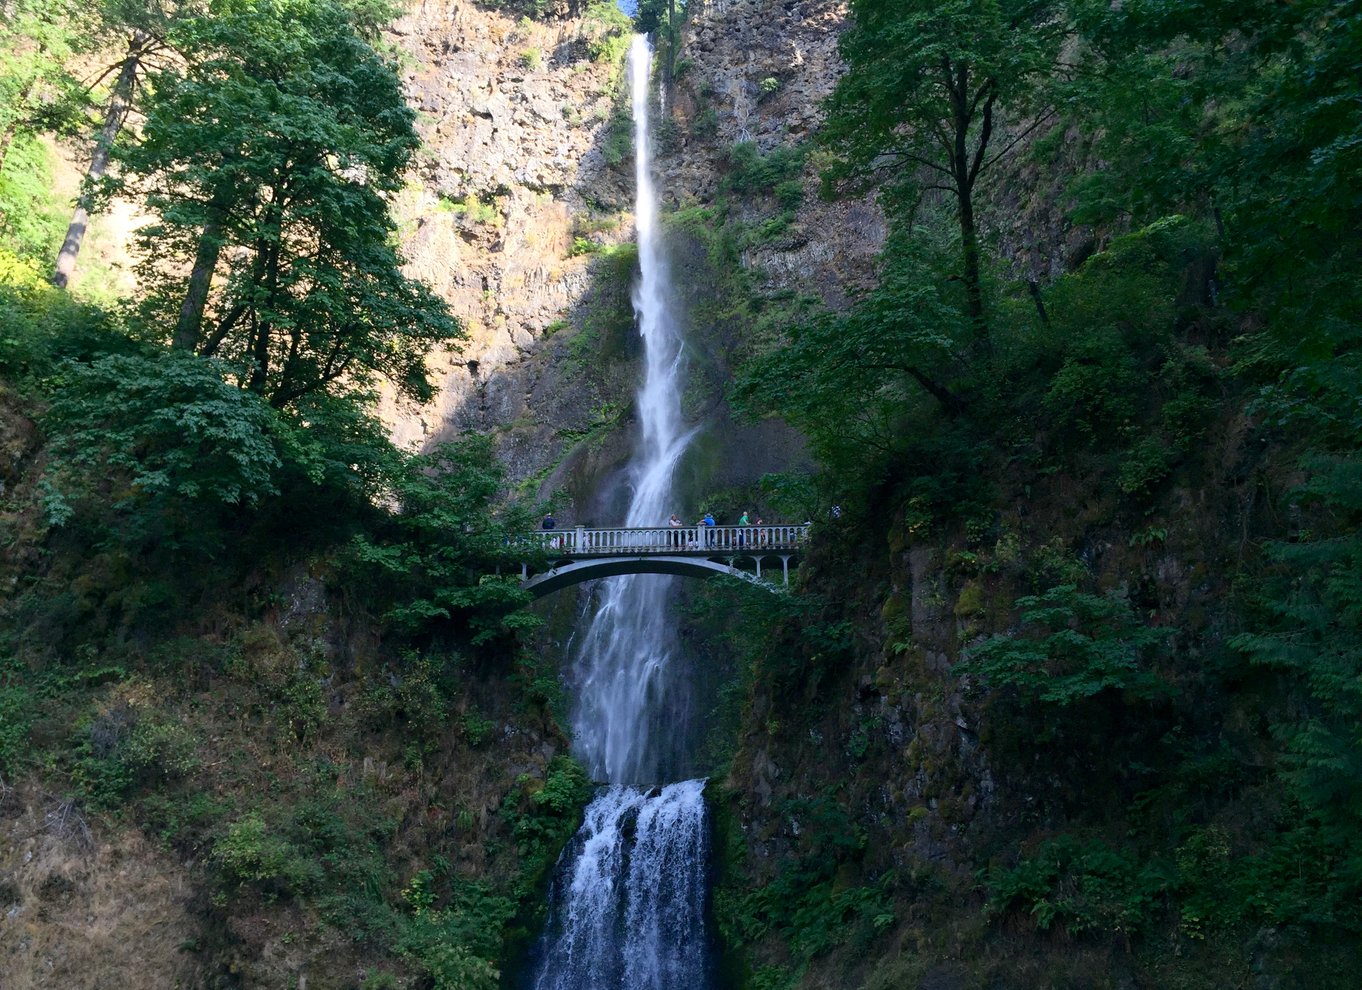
{"x": 628, "y": 700}
{"x": 664, "y": 437}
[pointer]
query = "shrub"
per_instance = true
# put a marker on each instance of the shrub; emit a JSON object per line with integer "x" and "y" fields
{"x": 165, "y": 429}
{"x": 618, "y": 143}
{"x": 41, "y": 325}
{"x": 1074, "y": 646}
{"x": 789, "y": 194}
{"x": 581, "y": 246}
{"x": 253, "y": 855}
{"x": 705, "y": 124}
{"x": 477, "y": 728}
{"x": 1084, "y": 888}
{"x": 544, "y": 816}
{"x": 31, "y": 221}
{"x": 752, "y": 173}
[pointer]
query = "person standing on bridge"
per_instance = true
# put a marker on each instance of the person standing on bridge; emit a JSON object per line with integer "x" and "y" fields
{"x": 548, "y": 524}
{"x": 675, "y": 523}
{"x": 743, "y": 522}
{"x": 708, "y": 522}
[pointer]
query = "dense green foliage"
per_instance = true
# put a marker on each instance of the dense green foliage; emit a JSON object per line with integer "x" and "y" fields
{"x": 1073, "y": 455}
{"x": 1118, "y": 483}
{"x": 235, "y": 614}
{"x": 285, "y": 188}
{"x": 1084, "y": 645}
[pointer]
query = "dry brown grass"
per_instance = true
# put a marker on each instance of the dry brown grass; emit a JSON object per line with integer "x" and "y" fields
{"x": 88, "y": 910}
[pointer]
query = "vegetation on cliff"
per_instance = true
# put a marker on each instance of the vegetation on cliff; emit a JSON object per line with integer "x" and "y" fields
{"x": 1070, "y": 696}
{"x": 235, "y": 616}
{"x": 1106, "y": 678}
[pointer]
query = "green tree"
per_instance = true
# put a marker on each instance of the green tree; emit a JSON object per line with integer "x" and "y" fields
{"x": 37, "y": 40}
{"x": 447, "y": 553}
{"x": 846, "y": 379}
{"x": 267, "y": 162}
{"x": 927, "y": 86}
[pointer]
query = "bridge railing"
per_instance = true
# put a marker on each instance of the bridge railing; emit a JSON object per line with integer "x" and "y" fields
{"x": 665, "y": 539}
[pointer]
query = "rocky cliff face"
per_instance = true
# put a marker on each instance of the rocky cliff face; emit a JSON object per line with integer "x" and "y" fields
{"x": 513, "y": 112}
{"x": 758, "y": 70}
{"x": 525, "y": 190}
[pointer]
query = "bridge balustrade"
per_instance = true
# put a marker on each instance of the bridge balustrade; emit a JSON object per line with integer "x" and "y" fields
{"x": 745, "y": 540}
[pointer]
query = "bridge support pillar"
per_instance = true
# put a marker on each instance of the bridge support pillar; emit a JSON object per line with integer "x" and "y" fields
{"x": 785, "y": 568}
{"x": 758, "y": 560}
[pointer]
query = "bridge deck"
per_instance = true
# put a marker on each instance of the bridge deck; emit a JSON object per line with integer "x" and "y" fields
{"x": 682, "y": 541}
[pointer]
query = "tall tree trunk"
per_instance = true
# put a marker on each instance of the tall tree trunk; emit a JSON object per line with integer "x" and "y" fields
{"x": 119, "y": 104}
{"x": 200, "y": 280}
{"x": 260, "y": 354}
{"x": 974, "y": 289}
{"x": 965, "y": 168}
{"x": 260, "y": 349}
{"x": 958, "y": 85}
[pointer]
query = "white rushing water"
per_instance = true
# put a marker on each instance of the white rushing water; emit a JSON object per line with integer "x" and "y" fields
{"x": 628, "y": 912}
{"x": 627, "y": 908}
{"x": 626, "y": 696}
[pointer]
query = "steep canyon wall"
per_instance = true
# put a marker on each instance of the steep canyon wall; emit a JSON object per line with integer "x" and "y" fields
{"x": 519, "y": 218}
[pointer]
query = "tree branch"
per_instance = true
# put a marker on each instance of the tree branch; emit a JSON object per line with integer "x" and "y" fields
{"x": 1043, "y": 118}
{"x": 224, "y": 327}
{"x": 985, "y": 134}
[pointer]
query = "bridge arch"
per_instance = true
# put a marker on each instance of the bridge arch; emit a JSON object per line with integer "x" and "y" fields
{"x": 577, "y": 571}
{"x": 583, "y": 554}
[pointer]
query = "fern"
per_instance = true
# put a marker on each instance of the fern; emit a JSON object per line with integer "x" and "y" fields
{"x": 1072, "y": 646}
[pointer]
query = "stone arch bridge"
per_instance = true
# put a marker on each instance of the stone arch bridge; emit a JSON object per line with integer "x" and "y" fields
{"x": 749, "y": 553}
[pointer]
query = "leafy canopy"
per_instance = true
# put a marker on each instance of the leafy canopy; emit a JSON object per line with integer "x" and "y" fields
{"x": 923, "y": 81}
{"x": 267, "y": 162}
{"x": 167, "y": 426}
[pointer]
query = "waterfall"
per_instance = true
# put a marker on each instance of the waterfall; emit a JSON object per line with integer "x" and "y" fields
{"x": 627, "y": 905}
{"x": 626, "y": 694}
{"x": 628, "y": 911}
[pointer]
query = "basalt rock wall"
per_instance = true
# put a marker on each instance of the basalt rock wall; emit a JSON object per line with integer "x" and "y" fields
{"x": 520, "y": 218}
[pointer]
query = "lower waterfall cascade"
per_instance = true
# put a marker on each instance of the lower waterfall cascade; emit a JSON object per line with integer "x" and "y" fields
{"x": 628, "y": 908}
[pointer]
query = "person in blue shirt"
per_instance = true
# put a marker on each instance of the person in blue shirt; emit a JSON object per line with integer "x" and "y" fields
{"x": 708, "y": 520}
